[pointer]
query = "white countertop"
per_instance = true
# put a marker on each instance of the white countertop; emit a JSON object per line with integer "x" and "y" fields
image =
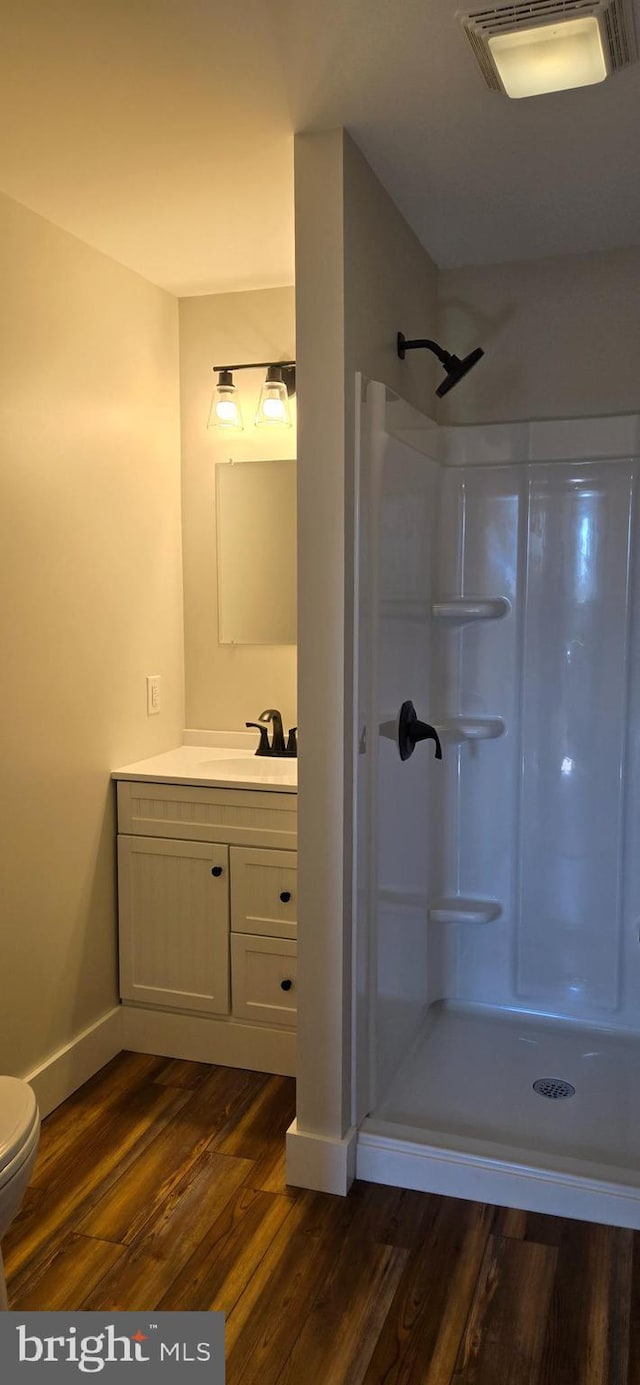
{"x": 215, "y": 766}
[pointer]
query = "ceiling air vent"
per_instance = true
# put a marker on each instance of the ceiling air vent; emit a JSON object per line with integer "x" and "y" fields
{"x": 614, "y": 20}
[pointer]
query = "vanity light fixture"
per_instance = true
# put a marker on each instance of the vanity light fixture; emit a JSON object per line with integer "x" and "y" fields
{"x": 531, "y": 47}
{"x": 273, "y": 404}
{"x": 225, "y": 411}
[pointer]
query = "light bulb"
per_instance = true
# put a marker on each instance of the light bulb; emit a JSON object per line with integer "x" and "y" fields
{"x": 273, "y": 405}
{"x": 227, "y": 412}
{"x": 275, "y": 410}
{"x": 225, "y": 409}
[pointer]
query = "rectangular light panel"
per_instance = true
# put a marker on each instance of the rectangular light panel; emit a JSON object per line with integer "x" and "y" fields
{"x": 552, "y": 57}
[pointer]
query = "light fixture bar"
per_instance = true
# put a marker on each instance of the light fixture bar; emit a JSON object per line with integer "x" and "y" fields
{"x": 288, "y": 369}
{"x": 286, "y": 366}
{"x": 257, "y": 365}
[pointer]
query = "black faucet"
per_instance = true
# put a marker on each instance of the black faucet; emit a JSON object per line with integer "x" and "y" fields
{"x": 272, "y": 715}
{"x": 276, "y": 746}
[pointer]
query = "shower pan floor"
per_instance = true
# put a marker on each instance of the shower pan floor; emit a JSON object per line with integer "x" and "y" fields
{"x": 467, "y": 1092}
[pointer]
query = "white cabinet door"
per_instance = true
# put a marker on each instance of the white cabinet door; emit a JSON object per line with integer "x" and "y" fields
{"x": 264, "y": 892}
{"x": 264, "y": 979}
{"x": 174, "y": 923}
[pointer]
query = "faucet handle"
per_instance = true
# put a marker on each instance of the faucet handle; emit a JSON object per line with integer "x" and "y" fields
{"x": 292, "y": 742}
{"x": 263, "y": 746}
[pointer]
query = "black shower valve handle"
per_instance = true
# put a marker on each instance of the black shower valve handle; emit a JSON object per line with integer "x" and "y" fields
{"x": 411, "y": 731}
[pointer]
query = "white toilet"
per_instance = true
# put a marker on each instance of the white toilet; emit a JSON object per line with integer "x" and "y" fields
{"x": 19, "y": 1135}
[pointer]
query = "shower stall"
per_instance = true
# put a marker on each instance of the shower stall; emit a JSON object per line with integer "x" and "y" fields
{"x": 496, "y": 1032}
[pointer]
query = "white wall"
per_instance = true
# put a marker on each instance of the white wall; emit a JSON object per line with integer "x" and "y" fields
{"x": 361, "y": 276}
{"x": 227, "y": 685}
{"x": 562, "y": 337}
{"x": 90, "y": 575}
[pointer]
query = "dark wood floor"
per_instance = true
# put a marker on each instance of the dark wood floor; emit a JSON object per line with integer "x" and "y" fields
{"x": 161, "y": 1185}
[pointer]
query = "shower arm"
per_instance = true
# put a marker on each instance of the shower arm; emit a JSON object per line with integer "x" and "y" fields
{"x": 425, "y": 343}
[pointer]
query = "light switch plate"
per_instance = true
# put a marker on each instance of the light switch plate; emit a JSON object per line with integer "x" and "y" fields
{"x": 153, "y": 694}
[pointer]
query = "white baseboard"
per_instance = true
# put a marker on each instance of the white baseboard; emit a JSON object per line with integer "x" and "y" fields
{"x": 205, "y": 1039}
{"x": 429, "y": 1169}
{"x": 315, "y": 1161}
{"x": 66, "y": 1069}
{"x": 201, "y": 1039}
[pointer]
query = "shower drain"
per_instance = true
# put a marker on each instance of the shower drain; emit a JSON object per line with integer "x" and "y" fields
{"x": 554, "y": 1088}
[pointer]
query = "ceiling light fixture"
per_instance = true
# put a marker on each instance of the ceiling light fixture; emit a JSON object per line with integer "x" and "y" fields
{"x": 551, "y": 57}
{"x": 273, "y": 405}
{"x": 531, "y": 47}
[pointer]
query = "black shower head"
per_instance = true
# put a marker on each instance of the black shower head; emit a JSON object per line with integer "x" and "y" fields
{"x": 454, "y": 367}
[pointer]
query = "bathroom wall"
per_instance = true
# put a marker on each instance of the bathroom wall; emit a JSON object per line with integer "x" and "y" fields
{"x": 361, "y": 275}
{"x": 390, "y": 285}
{"x": 90, "y": 575}
{"x": 227, "y": 685}
{"x": 562, "y": 337}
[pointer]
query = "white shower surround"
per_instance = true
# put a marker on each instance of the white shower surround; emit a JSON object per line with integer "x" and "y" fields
{"x": 532, "y": 831}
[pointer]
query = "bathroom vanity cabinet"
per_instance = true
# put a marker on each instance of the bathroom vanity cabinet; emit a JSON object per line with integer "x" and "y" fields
{"x": 207, "y": 922}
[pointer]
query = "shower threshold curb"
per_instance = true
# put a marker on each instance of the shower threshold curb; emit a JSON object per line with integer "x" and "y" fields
{"x": 387, "y": 1154}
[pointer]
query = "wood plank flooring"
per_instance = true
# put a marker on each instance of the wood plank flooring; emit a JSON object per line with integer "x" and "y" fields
{"x": 161, "y": 1184}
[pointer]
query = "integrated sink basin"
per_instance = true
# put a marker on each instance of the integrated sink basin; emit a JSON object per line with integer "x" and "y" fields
{"x": 218, "y": 766}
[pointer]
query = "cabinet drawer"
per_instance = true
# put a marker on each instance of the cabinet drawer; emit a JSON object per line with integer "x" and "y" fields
{"x": 263, "y": 892}
{"x": 242, "y": 817}
{"x": 263, "y": 979}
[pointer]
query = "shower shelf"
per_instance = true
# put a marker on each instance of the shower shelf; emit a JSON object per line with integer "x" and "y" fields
{"x": 460, "y": 910}
{"x": 460, "y": 609}
{"x": 470, "y": 728}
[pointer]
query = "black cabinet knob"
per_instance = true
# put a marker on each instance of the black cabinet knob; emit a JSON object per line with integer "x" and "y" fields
{"x": 286, "y": 985}
{"x": 216, "y": 870}
{"x": 285, "y": 896}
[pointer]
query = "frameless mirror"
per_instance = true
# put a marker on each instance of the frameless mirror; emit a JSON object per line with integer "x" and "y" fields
{"x": 256, "y": 545}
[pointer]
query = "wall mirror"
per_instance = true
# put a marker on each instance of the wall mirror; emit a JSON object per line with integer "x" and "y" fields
{"x": 256, "y": 546}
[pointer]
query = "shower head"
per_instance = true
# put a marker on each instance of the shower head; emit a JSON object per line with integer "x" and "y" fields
{"x": 454, "y": 367}
{"x": 457, "y": 368}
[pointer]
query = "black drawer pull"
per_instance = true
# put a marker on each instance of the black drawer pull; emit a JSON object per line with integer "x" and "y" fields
{"x": 216, "y": 870}
{"x": 285, "y": 896}
{"x": 286, "y": 985}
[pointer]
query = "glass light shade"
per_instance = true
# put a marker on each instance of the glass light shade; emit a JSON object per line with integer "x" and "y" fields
{"x": 273, "y": 405}
{"x": 551, "y": 57}
{"x": 225, "y": 411}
